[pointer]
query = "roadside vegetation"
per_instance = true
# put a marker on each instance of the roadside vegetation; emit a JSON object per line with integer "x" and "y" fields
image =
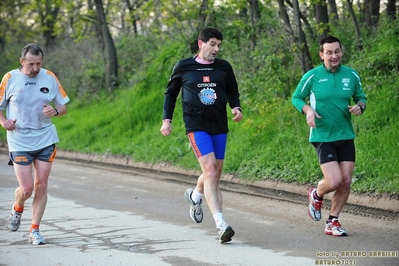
{"x": 272, "y": 140}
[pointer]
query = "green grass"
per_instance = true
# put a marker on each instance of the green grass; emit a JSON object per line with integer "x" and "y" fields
{"x": 270, "y": 143}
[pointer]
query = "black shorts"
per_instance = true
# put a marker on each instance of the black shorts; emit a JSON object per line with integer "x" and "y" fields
{"x": 340, "y": 151}
{"x": 46, "y": 154}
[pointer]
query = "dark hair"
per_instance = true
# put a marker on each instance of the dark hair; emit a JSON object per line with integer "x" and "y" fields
{"x": 329, "y": 39}
{"x": 209, "y": 33}
{"x": 31, "y": 48}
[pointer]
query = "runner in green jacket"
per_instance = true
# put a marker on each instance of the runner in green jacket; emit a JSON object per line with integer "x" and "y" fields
{"x": 330, "y": 89}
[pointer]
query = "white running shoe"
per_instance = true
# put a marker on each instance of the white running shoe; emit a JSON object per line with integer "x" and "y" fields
{"x": 195, "y": 208}
{"x": 15, "y": 220}
{"x": 333, "y": 227}
{"x": 314, "y": 207}
{"x": 36, "y": 238}
{"x": 225, "y": 232}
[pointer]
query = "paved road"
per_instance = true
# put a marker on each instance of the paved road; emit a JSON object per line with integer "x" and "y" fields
{"x": 99, "y": 215}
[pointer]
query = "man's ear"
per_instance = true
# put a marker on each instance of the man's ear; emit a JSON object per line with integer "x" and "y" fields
{"x": 200, "y": 42}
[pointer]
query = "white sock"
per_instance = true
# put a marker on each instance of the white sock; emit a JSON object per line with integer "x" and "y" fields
{"x": 196, "y": 196}
{"x": 218, "y": 218}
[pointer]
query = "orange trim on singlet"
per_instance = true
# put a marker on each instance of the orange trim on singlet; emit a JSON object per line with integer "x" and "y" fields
{"x": 194, "y": 144}
{"x": 60, "y": 88}
{"x": 4, "y": 85}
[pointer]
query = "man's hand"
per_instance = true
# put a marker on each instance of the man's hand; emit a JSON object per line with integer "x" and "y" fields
{"x": 310, "y": 116}
{"x": 356, "y": 109}
{"x": 9, "y": 124}
{"x": 49, "y": 111}
{"x": 166, "y": 128}
{"x": 236, "y": 111}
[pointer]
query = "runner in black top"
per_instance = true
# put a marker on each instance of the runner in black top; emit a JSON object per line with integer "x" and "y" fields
{"x": 206, "y": 90}
{"x": 207, "y": 85}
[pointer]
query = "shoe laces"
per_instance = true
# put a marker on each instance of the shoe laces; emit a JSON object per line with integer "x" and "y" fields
{"x": 16, "y": 216}
{"x": 336, "y": 223}
{"x": 36, "y": 234}
{"x": 223, "y": 225}
{"x": 197, "y": 207}
{"x": 317, "y": 204}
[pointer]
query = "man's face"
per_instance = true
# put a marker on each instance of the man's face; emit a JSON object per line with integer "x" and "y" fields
{"x": 210, "y": 49}
{"x": 31, "y": 64}
{"x": 331, "y": 55}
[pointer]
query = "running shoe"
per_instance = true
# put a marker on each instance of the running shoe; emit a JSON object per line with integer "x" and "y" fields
{"x": 333, "y": 227}
{"x": 36, "y": 238}
{"x": 195, "y": 208}
{"x": 314, "y": 207}
{"x": 225, "y": 232}
{"x": 15, "y": 220}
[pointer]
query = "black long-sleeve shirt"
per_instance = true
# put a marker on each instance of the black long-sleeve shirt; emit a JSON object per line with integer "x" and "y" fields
{"x": 206, "y": 90}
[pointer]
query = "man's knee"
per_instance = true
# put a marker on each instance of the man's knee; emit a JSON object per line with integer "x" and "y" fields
{"x": 334, "y": 182}
{"x": 25, "y": 192}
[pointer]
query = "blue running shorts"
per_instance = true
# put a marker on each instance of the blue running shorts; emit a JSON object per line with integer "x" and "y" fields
{"x": 203, "y": 143}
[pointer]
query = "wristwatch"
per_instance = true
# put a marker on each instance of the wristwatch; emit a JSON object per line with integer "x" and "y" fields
{"x": 361, "y": 108}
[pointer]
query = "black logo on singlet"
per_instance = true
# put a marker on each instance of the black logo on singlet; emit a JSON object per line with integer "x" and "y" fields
{"x": 30, "y": 83}
{"x": 44, "y": 90}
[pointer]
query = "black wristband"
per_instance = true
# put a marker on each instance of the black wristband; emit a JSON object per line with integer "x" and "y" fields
{"x": 361, "y": 108}
{"x": 56, "y": 112}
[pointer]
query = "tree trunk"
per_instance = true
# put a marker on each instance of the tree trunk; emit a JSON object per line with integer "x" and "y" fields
{"x": 48, "y": 16}
{"x": 293, "y": 40}
{"x": 111, "y": 56}
{"x": 286, "y": 19}
{"x": 133, "y": 7}
{"x": 309, "y": 28}
{"x": 255, "y": 17}
{"x": 356, "y": 25}
{"x": 372, "y": 12}
{"x": 391, "y": 9}
{"x": 203, "y": 17}
{"x": 306, "y": 60}
{"x": 333, "y": 14}
{"x": 322, "y": 19}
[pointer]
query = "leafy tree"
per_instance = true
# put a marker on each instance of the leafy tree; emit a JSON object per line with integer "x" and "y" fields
{"x": 48, "y": 15}
{"x": 111, "y": 55}
{"x": 322, "y": 21}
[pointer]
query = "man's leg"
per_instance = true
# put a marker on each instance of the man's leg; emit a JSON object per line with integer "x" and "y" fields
{"x": 331, "y": 181}
{"x": 22, "y": 193}
{"x": 42, "y": 172}
{"x": 332, "y": 178}
{"x": 340, "y": 182}
{"x": 211, "y": 173}
{"x": 25, "y": 181}
{"x": 341, "y": 194}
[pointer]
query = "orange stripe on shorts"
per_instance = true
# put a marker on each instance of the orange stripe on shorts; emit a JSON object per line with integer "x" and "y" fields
{"x": 194, "y": 144}
{"x": 52, "y": 157}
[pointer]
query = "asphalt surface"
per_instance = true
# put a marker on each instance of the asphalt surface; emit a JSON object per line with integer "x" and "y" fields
{"x": 106, "y": 211}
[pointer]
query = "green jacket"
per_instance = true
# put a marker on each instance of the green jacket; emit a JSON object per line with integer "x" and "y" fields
{"x": 330, "y": 94}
